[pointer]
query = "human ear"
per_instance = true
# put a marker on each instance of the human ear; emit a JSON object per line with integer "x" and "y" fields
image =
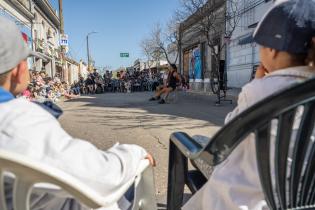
{"x": 20, "y": 72}
{"x": 14, "y": 75}
{"x": 273, "y": 53}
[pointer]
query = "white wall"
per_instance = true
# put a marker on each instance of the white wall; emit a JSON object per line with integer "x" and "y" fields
{"x": 51, "y": 44}
{"x": 73, "y": 71}
{"x": 241, "y": 59}
{"x": 15, "y": 14}
{"x": 42, "y": 26}
{"x": 83, "y": 70}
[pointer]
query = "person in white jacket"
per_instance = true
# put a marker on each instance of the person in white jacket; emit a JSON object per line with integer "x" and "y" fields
{"x": 286, "y": 55}
{"x": 29, "y": 130}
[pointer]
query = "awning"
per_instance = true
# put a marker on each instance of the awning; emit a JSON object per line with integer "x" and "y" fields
{"x": 43, "y": 56}
{"x": 247, "y": 39}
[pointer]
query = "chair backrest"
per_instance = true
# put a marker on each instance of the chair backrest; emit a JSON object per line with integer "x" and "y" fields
{"x": 283, "y": 125}
{"x": 29, "y": 172}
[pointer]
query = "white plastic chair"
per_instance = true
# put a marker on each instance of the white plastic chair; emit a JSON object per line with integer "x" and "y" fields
{"x": 28, "y": 173}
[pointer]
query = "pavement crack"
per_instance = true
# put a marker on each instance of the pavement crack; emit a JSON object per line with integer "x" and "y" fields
{"x": 159, "y": 141}
{"x": 155, "y": 137}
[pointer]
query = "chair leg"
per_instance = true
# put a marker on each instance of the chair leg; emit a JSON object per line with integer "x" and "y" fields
{"x": 176, "y": 178}
{"x": 3, "y": 205}
{"x": 144, "y": 191}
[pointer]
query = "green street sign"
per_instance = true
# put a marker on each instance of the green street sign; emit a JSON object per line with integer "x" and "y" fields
{"x": 124, "y": 55}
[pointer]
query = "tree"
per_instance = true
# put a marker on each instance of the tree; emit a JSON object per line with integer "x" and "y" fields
{"x": 173, "y": 38}
{"x": 150, "y": 49}
{"x": 162, "y": 43}
{"x": 147, "y": 49}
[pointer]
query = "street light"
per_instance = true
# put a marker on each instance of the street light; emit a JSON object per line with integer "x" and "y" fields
{"x": 88, "y": 48}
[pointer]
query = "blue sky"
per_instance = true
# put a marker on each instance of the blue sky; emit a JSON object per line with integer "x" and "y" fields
{"x": 121, "y": 25}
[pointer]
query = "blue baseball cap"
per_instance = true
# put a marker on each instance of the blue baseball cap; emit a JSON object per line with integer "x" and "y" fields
{"x": 288, "y": 26}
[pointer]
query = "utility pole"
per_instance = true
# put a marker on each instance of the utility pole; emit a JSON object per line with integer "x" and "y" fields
{"x": 62, "y": 49}
{"x": 62, "y": 29}
{"x": 88, "y": 48}
{"x": 88, "y": 51}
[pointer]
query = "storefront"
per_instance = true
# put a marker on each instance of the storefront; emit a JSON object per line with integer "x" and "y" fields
{"x": 22, "y": 21}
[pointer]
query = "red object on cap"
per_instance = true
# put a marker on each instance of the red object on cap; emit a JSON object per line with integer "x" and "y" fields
{"x": 25, "y": 37}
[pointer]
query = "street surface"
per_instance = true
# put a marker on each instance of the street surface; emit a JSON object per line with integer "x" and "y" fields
{"x": 130, "y": 118}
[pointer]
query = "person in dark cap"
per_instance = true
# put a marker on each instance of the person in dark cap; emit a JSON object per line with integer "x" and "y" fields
{"x": 285, "y": 35}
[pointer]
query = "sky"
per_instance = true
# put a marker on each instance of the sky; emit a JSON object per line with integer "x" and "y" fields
{"x": 121, "y": 25}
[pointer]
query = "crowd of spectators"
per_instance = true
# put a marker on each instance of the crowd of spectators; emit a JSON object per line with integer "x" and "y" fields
{"x": 44, "y": 88}
{"x": 124, "y": 81}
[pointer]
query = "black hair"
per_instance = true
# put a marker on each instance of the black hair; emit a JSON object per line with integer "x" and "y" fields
{"x": 174, "y": 66}
{"x": 311, "y": 54}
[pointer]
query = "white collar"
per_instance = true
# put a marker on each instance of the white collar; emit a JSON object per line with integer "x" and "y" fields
{"x": 297, "y": 71}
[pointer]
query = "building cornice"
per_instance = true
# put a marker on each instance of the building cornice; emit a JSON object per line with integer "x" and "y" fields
{"x": 72, "y": 61}
{"x": 49, "y": 11}
{"x": 21, "y": 8}
{"x": 210, "y": 6}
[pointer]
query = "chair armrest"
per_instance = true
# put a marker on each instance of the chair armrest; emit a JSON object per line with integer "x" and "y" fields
{"x": 188, "y": 146}
{"x": 41, "y": 173}
{"x": 193, "y": 148}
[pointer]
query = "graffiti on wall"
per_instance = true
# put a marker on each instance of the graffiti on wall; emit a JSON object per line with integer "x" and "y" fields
{"x": 197, "y": 63}
{"x": 192, "y": 59}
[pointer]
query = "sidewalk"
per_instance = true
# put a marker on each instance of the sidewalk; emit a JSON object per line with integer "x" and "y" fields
{"x": 232, "y": 94}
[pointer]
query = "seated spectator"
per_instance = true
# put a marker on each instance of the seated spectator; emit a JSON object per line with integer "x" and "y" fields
{"x": 90, "y": 84}
{"x": 27, "y": 93}
{"x": 185, "y": 82}
{"x": 57, "y": 78}
{"x": 173, "y": 78}
{"x": 285, "y": 51}
{"x": 29, "y": 130}
{"x": 100, "y": 86}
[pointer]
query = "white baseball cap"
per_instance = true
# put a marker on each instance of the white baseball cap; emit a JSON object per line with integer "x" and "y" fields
{"x": 13, "y": 48}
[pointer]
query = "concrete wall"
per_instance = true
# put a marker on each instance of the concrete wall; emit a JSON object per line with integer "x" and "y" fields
{"x": 192, "y": 38}
{"x": 73, "y": 72}
{"x": 46, "y": 35}
{"x": 20, "y": 13}
{"x": 242, "y": 58}
{"x": 83, "y": 71}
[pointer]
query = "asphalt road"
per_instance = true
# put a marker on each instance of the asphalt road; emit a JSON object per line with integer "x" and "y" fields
{"x": 130, "y": 118}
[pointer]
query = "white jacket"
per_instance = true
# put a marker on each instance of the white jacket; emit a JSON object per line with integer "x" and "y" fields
{"x": 235, "y": 184}
{"x": 29, "y": 130}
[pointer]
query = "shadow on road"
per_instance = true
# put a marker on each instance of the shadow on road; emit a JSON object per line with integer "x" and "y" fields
{"x": 166, "y": 114}
{"x": 132, "y": 119}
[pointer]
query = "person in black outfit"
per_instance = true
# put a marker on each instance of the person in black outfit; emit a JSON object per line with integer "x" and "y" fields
{"x": 173, "y": 78}
{"x": 90, "y": 84}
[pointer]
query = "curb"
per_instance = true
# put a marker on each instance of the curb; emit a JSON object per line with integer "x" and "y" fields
{"x": 208, "y": 97}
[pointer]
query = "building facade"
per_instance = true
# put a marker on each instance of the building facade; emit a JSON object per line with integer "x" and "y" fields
{"x": 46, "y": 27}
{"x": 83, "y": 70}
{"x": 73, "y": 68}
{"x": 39, "y": 23}
{"x": 140, "y": 65}
{"x": 195, "y": 55}
{"x": 21, "y": 12}
{"x": 242, "y": 52}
